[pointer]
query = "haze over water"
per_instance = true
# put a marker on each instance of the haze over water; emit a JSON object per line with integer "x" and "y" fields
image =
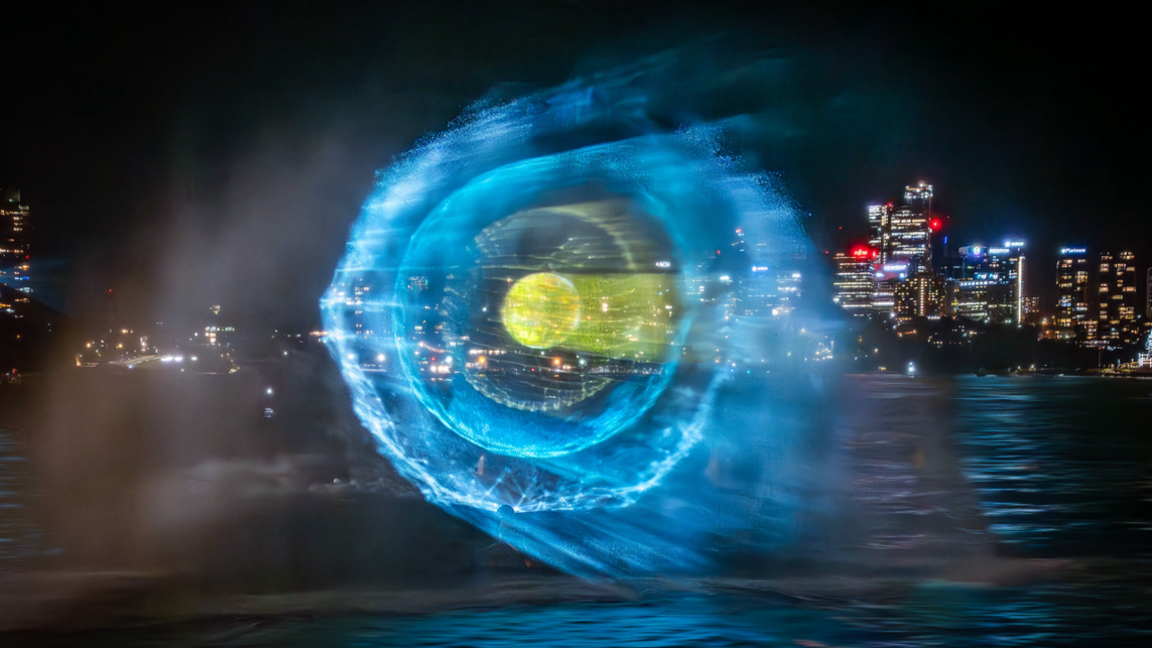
{"x": 1058, "y": 469}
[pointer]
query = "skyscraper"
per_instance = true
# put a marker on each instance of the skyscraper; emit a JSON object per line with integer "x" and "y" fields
{"x": 1148, "y": 289}
{"x": 1008, "y": 264}
{"x": 980, "y": 300}
{"x": 1072, "y": 287}
{"x": 905, "y": 233}
{"x": 989, "y": 283}
{"x": 879, "y": 220}
{"x": 910, "y": 238}
{"x": 921, "y": 296}
{"x": 1118, "y": 299}
{"x": 902, "y": 240}
{"x": 15, "y": 240}
{"x": 855, "y": 281}
{"x": 919, "y": 198}
{"x": 917, "y": 217}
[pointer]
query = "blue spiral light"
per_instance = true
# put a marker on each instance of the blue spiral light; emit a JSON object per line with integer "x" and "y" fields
{"x": 576, "y": 192}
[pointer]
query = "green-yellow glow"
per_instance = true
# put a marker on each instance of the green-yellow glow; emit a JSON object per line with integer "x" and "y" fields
{"x": 617, "y": 315}
{"x": 541, "y": 310}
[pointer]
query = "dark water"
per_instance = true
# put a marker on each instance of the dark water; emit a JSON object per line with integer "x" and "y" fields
{"x": 1061, "y": 464}
{"x": 22, "y": 541}
{"x": 1061, "y": 470}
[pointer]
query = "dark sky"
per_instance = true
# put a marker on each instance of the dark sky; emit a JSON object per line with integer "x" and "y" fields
{"x": 194, "y": 153}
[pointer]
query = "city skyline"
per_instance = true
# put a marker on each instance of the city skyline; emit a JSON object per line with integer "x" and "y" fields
{"x": 1040, "y": 272}
{"x": 907, "y": 270}
{"x": 242, "y": 142}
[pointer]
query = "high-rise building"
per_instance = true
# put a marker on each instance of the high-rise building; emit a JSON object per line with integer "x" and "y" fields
{"x": 921, "y": 296}
{"x": 888, "y": 277}
{"x": 15, "y": 241}
{"x": 1148, "y": 289}
{"x": 919, "y": 197}
{"x": 1072, "y": 288}
{"x": 1008, "y": 264}
{"x": 906, "y": 296}
{"x": 855, "y": 280}
{"x": 909, "y": 231}
{"x": 905, "y": 232}
{"x": 989, "y": 283}
{"x": 1118, "y": 299}
{"x": 902, "y": 240}
{"x": 981, "y": 300}
{"x": 879, "y": 219}
{"x": 910, "y": 238}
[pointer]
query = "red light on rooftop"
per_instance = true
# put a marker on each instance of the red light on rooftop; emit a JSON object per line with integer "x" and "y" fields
{"x": 935, "y": 224}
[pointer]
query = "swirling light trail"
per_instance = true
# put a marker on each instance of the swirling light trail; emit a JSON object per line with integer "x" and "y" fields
{"x": 436, "y": 277}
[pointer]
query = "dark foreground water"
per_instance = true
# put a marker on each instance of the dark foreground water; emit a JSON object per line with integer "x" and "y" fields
{"x": 1060, "y": 468}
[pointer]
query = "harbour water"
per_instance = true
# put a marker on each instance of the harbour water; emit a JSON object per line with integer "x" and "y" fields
{"x": 22, "y": 540}
{"x": 1060, "y": 472}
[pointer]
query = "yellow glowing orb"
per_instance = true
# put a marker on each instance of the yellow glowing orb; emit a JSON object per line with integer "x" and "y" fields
{"x": 541, "y": 310}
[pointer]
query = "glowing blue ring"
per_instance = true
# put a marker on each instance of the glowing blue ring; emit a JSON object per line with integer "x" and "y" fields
{"x": 493, "y": 196}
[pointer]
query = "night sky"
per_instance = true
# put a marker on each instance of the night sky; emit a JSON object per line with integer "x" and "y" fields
{"x": 191, "y": 153}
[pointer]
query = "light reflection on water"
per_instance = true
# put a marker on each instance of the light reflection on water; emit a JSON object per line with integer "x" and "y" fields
{"x": 1106, "y": 607}
{"x": 1060, "y": 467}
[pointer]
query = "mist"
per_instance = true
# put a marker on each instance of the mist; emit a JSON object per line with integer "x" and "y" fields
{"x": 258, "y": 377}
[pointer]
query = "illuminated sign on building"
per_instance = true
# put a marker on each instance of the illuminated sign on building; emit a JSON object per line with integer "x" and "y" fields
{"x": 886, "y": 271}
{"x": 1071, "y": 250}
